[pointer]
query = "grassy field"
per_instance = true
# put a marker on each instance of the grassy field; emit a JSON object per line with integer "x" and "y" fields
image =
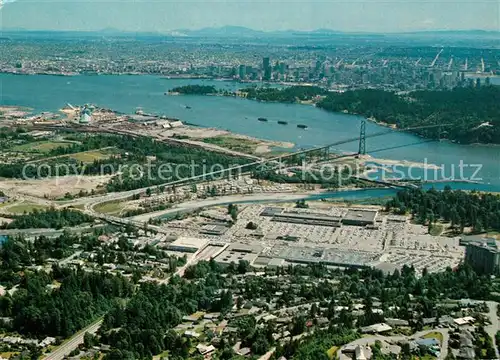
{"x": 4, "y": 204}
{"x": 434, "y": 335}
{"x": 79, "y": 207}
{"x": 41, "y": 146}
{"x": 436, "y": 229}
{"x": 8, "y": 354}
{"x": 332, "y": 352}
{"x": 111, "y": 208}
{"x": 494, "y": 234}
{"x": 231, "y": 143}
{"x": 25, "y": 207}
{"x": 90, "y": 156}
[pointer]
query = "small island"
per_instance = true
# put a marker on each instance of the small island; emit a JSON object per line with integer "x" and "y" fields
{"x": 194, "y": 90}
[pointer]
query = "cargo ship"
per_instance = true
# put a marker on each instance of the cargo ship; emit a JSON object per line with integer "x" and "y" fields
{"x": 300, "y": 126}
{"x": 262, "y": 119}
{"x": 283, "y": 122}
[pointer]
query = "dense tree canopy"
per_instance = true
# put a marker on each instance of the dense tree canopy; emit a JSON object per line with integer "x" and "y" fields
{"x": 289, "y": 94}
{"x": 195, "y": 90}
{"x": 81, "y": 297}
{"x": 130, "y": 158}
{"x": 50, "y": 218}
{"x": 472, "y": 112}
{"x": 481, "y": 211}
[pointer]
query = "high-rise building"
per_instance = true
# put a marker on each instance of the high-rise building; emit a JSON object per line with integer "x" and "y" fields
{"x": 266, "y": 62}
{"x": 318, "y": 66}
{"x": 282, "y": 68}
{"x": 484, "y": 258}
{"x": 242, "y": 72}
{"x": 266, "y": 66}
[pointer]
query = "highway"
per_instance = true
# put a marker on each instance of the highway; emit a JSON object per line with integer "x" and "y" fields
{"x": 198, "y": 204}
{"x": 48, "y": 232}
{"x": 90, "y": 203}
{"x": 73, "y": 342}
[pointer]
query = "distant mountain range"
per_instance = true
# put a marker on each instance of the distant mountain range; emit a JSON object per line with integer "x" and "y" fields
{"x": 240, "y": 31}
{"x": 244, "y": 32}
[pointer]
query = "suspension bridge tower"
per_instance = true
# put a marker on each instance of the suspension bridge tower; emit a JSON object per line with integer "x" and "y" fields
{"x": 362, "y": 138}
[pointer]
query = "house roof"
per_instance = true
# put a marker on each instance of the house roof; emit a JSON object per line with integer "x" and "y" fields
{"x": 376, "y": 328}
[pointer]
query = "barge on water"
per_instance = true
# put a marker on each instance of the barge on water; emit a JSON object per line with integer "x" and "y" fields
{"x": 263, "y": 119}
{"x": 300, "y": 126}
{"x": 283, "y": 122}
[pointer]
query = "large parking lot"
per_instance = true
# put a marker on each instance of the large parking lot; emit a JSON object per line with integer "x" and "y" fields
{"x": 390, "y": 242}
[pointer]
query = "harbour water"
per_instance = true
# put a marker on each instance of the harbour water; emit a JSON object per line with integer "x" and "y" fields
{"x": 126, "y": 93}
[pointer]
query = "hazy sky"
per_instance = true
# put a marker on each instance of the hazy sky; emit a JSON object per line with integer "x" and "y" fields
{"x": 164, "y": 15}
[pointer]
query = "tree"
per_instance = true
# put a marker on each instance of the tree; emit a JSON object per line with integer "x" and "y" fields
{"x": 251, "y": 226}
{"x": 243, "y": 266}
{"x": 301, "y": 204}
{"x": 89, "y": 340}
{"x": 450, "y": 355}
{"x": 239, "y": 302}
{"x": 226, "y": 301}
{"x": 232, "y": 210}
{"x": 406, "y": 351}
{"x": 314, "y": 310}
{"x": 260, "y": 345}
{"x": 298, "y": 325}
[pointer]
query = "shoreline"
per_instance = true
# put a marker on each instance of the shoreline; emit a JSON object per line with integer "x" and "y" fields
{"x": 395, "y": 128}
{"x": 406, "y": 163}
{"x": 266, "y": 146}
{"x": 345, "y": 112}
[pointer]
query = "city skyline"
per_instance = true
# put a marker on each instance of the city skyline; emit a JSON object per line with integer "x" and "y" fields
{"x": 273, "y": 15}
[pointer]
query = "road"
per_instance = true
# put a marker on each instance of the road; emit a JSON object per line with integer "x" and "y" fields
{"x": 268, "y": 355}
{"x": 198, "y": 204}
{"x": 90, "y": 202}
{"x": 69, "y": 258}
{"x": 48, "y": 232}
{"x": 494, "y": 327}
{"x": 73, "y": 342}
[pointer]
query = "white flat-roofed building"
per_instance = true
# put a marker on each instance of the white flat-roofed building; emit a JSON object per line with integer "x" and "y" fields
{"x": 376, "y": 328}
{"x": 239, "y": 252}
{"x": 227, "y": 257}
{"x": 187, "y": 244}
{"x": 464, "y": 320}
{"x": 175, "y": 124}
{"x": 360, "y": 217}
